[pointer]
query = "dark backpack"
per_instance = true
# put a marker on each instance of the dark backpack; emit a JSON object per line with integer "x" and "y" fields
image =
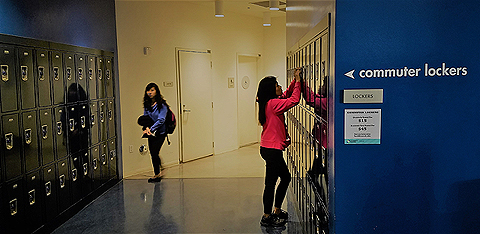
{"x": 170, "y": 123}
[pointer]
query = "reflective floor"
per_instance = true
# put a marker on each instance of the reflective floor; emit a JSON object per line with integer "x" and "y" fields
{"x": 190, "y": 199}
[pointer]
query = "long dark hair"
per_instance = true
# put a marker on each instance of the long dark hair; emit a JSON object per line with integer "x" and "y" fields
{"x": 267, "y": 89}
{"x": 147, "y": 101}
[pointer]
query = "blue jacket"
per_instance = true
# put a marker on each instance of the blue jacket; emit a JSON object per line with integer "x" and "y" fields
{"x": 157, "y": 115}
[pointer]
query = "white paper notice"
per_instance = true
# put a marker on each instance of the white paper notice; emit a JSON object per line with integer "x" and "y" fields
{"x": 363, "y": 126}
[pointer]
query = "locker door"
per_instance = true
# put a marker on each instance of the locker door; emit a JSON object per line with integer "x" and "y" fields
{"x": 11, "y": 143}
{"x": 104, "y": 162}
{"x": 27, "y": 83}
{"x": 46, "y": 136}
{"x": 96, "y": 174}
{"x": 102, "y": 112}
{"x": 100, "y": 77}
{"x": 3, "y": 210}
{"x": 8, "y": 84}
{"x": 76, "y": 177}
{"x": 30, "y": 140}
{"x": 83, "y": 125}
{"x": 34, "y": 201}
{"x": 91, "y": 77}
{"x": 50, "y": 191}
{"x": 63, "y": 185}
{"x": 112, "y": 155}
{"x": 73, "y": 126}
{"x": 80, "y": 63}
{"x": 109, "y": 85}
{"x": 111, "y": 118}
{"x": 43, "y": 78}
{"x": 94, "y": 123}
{"x": 60, "y": 128}
{"x": 16, "y": 206}
{"x": 70, "y": 77}
{"x": 57, "y": 78}
{"x": 87, "y": 183}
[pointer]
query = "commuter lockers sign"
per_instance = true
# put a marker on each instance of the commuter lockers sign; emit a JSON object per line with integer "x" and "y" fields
{"x": 58, "y": 138}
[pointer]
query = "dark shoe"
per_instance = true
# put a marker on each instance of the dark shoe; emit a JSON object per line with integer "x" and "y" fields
{"x": 153, "y": 180}
{"x": 283, "y": 215}
{"x": 272, "y": 221}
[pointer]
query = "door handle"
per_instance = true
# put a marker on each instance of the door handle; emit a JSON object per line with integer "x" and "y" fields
{"x": 186, "y": 110}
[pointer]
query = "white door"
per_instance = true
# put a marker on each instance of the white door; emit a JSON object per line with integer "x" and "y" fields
{"x": 195, "y": 76}
{"x": 247, "y": 92}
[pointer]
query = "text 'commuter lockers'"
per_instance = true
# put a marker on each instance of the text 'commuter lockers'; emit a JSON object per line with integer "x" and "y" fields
{"x": 363, "y": 126}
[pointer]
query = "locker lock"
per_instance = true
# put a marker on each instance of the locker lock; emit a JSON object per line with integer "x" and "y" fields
{"x": 99, "y": 74}
{"x": 62, "y": 181}
{"x": 74, "y": 175}
{"x": 85, "y": 169}
{"x": 80, "y": 73}
{"x": 13, "y": 207}
{"x": 59, "y": 128}
{"x": 107, "y": 74}
{"x": 48, "y": 188}
{"x": 31, "y": 197}
{"x": 24, "y": 72}
{"x": 4, "y": 71}
{"x": 71, "y": 124}
{"x": 103, "y": 159}
{"x": 28, "y": 136}
{"x": 90, "y": 74}
{"x": 55, "y": 73}
{"x": 102, "y": 117}
{"x": 69, "y": 73}
{"x": 110, "y": 115}
{"x": 82, "y": 121}
{"x": 41, "y": 73}
{"x": 95, "y": 164}
{"x": 92, "y": 119}
{"x": 9, "y": 141}
{"x": 45, "y": 131}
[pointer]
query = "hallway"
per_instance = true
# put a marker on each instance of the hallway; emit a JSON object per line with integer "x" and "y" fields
{"x": 218, "y": 194}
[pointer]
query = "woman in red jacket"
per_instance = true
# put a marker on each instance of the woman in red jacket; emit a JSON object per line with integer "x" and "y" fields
{"x": 272, "y": 106}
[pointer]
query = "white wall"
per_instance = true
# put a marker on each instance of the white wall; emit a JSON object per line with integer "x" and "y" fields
{"x": 163, "y": 26}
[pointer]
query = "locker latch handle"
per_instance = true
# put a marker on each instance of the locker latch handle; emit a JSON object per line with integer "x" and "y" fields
{"x": 69, "y": 73}
{"x": 55, "y": 73}
{"x": 92, "y": 119}
{"x": 62, "y": 181}
{"x": 9, "y": 141}
{"x": 45, "y": 131}
{"x": 82, "y": 121}
{"x": 110, "y": 115}
{"x": 107, "y": 74}
{"x": 95, "y": 164}
{"x": 90, "y": 74}
{"x": 85, "y": 169}
{"x": 112, "y": 155}
{"x": 13, "y": 207}
{"x": 41, "y": 73}
{"x": 71, "y": 124}
{"x": 80, "y": 73}
{"x": 102, "y": 158}
{"x": 59, "y": 128}
{"x": 28, "y": 136}
{"x": 48, "y": 188}
{"x": 99, "y": 74}
{"x": 24, "y": 70}
{"x": 102, "y": 117}
{"x": 74, "y": 174}
{"x": 4, "y": 71}
{"x": 31, "y": 197}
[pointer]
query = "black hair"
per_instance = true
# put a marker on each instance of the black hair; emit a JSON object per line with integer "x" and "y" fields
{"x": 147, "y": 101}
{"x": 267, "y": 89}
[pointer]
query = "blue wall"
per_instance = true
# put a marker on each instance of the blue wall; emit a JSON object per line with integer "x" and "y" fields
{"x": 424, "y": 177}
{"x": 87, "y": 23}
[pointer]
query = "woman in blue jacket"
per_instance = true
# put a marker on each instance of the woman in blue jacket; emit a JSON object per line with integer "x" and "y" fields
{"x": 156, "y": 108}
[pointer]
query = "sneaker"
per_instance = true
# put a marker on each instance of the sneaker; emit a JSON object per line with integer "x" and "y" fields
{"x": 272, "y": 221}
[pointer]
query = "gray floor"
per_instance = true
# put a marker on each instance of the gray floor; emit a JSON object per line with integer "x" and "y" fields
{"x": 215, "y": 205}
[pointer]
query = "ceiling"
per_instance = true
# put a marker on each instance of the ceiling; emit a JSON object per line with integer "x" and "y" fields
{"x": 246, "y": 7}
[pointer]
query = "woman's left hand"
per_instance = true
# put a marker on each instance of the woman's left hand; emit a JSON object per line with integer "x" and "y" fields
{"x": 147, "y": 131}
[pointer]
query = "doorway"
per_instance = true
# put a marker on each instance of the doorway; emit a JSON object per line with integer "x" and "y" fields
{"x": 247, "y": 80}
{"x": 196, "y": 106}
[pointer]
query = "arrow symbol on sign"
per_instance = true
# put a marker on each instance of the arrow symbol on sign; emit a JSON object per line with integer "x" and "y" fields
{"x": 350, "y": 74}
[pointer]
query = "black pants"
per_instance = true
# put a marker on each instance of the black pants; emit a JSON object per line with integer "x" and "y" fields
{"x": 155, "y": 144}
{"x": 275, "y": 167}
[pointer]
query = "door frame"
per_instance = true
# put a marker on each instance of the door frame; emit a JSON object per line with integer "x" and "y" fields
{"x": 258, "y": 57}
{"x": 179, "y": 101}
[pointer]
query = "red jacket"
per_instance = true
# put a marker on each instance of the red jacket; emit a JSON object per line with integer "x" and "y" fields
{"x": 274, "y": 134}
